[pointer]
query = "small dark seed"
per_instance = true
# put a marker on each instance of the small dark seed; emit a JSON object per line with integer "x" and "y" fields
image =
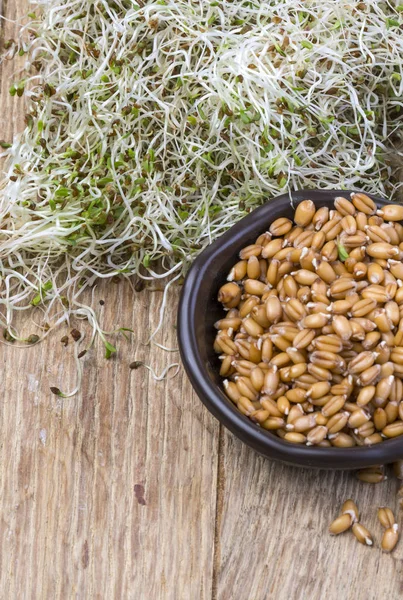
{"x": 7, "y": 336}
{"x": 102, "y": 302}
{"x": 83, "y": 353}
{"x": 139, "y": 285}
{"x": 75, "y": 334}
{"x": 136, "y": 364}
{"x": 55, "y": 391}
{"x": 33, "y": 339}
{"x": 65, "y": 340}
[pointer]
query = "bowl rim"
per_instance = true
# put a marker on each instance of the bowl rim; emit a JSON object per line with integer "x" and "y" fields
{"x": 213, "y": 397}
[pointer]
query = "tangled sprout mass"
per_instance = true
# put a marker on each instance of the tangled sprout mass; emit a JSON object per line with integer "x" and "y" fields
{"x": 154, "y": 126}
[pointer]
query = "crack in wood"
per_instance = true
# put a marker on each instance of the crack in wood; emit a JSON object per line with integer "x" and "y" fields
{"x": 220, "y": 484}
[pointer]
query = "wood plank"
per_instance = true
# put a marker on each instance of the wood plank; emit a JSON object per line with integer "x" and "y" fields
{"x": 273, "y": 540}
{"x": 12, "y": 109}
{"x": 113, "y": 493}
{"x": 110, "y": 494}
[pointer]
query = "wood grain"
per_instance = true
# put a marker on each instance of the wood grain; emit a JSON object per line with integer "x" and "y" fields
{"x": 12, "y": 109}
{"x": 131, "y": 490}
{"x": 110, "y": 494}
{"x": 281, "y": 515}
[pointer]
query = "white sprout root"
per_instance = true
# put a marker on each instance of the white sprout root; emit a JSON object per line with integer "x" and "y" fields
{"x": 152, "y": 127}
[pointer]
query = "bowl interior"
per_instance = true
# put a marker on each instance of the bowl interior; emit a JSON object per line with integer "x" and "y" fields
{"x": 199, "y": 310}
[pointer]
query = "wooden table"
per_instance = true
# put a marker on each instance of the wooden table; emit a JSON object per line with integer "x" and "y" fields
{"x": 132, "y": 490}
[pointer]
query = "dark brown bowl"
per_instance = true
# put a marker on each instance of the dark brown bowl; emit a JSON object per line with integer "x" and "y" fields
{"x": 198, "y": 311}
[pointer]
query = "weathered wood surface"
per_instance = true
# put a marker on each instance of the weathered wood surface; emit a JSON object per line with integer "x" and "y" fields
{"x": 131, "y": 489}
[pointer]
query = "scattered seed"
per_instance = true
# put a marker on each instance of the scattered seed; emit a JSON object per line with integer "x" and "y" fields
{"x": 350, "y": 508}
{"x": 362, "y": 534}
{"x": 386, "y": 517}
{"x": 390, "y": 538}
{"x": 371, "y": 475}
{"x": 341, "y": 524}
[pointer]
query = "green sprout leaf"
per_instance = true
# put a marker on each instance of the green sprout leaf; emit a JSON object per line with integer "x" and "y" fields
{"x": 62, "y": 193}
{"x": 36, "y": 300}
{"x": 392, "y": 23}
{"x": 109, "y": 349}
{"x": 343, "y": 254}
{"x": 123, "y": 330}
{"x": 42, "y": 293}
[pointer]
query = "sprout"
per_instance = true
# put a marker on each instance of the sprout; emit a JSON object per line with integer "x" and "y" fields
{"x": 109, "y": 349}
{"x": 343, "y": 254}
